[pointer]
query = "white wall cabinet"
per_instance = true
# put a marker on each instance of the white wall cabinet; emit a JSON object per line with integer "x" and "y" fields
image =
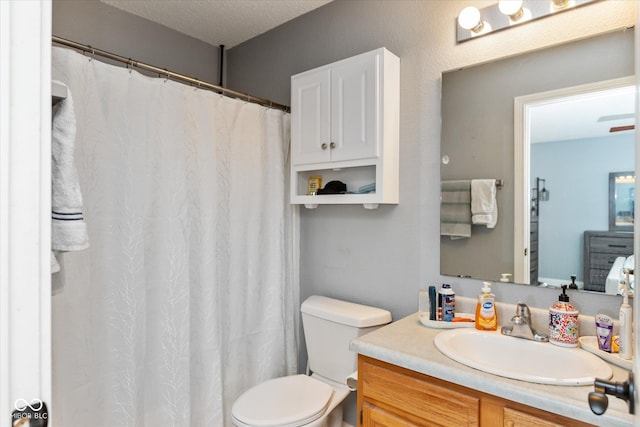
{"x": 345, "y": 126}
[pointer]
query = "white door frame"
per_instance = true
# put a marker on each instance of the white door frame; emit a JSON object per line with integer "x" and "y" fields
{"x": 25, "y": 203}
{"x": 522, "y": 151}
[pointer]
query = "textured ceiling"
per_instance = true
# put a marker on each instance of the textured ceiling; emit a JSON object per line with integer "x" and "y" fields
{"x": 227, "y": 22}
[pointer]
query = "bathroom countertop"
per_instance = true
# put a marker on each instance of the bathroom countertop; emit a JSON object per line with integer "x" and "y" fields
{"x": 409, "y": 344}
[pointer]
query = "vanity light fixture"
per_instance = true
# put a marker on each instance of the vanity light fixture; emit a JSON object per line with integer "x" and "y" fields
{"x": 512, "y": 8}
{"x": 560, "y": 4}
{"x": 473, "y": 22}
{"x": 470, "y": 20}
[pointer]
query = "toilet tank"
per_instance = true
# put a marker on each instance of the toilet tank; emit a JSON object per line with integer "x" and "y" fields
{"x": 329, "y": 326}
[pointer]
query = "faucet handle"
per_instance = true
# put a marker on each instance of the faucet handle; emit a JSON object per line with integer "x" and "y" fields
{"x": 518, "y": 320}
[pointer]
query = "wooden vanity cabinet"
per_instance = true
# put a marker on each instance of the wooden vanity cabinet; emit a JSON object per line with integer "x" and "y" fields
{"x": 391, "y": 396}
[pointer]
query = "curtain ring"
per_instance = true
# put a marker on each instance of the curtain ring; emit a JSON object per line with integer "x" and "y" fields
{"x": 198, "y": 85}
{"x": 167, "y": 75}
{"x": 93, "y": 53}
{"x": 130, "y": 65}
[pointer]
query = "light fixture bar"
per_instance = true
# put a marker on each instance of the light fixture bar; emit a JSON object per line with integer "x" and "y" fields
{"x": 492, "y": 19}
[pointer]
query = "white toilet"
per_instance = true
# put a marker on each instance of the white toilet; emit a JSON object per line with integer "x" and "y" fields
{"x": 316, "y": 400}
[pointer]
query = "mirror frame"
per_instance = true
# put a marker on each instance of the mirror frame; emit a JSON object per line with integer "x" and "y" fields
{"x": 522, "y": 153}
{"x": 612, "y": 203}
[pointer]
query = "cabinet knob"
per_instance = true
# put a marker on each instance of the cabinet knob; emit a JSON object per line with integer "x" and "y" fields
{"x": 332, "y": 145}
{"x": 324, "y": 146}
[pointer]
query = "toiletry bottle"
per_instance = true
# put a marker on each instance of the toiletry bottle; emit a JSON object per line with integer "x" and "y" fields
{"x": 573, "y": 282}
{"x": 314, "y": 184}
{"x": 433, "y": 303}
{"x": 486, "y": 314}
{"x": 505, "y": 277}
{"x": 563, "y": 322}
{"x": 448, "y": 301}
{"x": 626, "y": 323}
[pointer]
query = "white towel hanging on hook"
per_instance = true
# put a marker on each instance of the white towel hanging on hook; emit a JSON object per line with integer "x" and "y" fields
{"x": 68, "y": 228}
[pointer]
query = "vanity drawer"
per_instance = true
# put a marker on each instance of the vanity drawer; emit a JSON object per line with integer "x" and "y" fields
{"x": 515, "y": 418}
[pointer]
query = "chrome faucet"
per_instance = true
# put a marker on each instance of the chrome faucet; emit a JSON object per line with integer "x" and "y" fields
{"x": 522, "y": 325}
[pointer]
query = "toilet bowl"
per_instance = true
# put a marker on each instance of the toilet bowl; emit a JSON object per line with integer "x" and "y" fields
{"x": 293, "y": 401}
{"x": 313, "y": 401}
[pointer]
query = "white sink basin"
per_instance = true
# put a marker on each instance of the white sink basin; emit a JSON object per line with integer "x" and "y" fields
{"x": 521, "y": 359}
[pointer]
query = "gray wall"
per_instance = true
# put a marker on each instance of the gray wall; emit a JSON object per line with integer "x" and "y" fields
{"x": 377, "y": 257}
{"x": 383, "y": 257}
{"x": 93, "y": 23}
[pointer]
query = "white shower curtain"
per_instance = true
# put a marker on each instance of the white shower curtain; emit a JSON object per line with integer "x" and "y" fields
{"x": 186, "y": 296}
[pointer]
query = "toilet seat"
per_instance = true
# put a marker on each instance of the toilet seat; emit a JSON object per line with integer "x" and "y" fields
{"x": 290, "y": 401}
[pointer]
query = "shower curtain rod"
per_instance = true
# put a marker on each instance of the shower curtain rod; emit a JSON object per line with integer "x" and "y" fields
{"x": 169, "y": 74}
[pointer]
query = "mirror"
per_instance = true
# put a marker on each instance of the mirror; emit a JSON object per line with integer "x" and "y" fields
{"x": 478, "y": 131}
{"x": 621, "y": 200}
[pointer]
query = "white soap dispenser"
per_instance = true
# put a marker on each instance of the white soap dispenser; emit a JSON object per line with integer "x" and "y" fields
{"x": 626, "y": 323}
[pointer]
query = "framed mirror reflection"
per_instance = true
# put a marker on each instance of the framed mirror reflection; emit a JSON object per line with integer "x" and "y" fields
{"x": 555, "y": 181}
{"x": 621, "y": 200}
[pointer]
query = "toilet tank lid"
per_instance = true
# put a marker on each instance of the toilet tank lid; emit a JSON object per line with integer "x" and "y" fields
{"x": 346, "y": 313}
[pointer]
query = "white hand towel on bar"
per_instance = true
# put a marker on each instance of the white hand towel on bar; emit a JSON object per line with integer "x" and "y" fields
{"x": 68, "y": 229}
{"x": 484, "y": 208}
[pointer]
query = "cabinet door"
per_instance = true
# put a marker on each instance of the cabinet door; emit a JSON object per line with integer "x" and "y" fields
{"x": 431, "y": 402}
{"x": 372, "y": 416}
{"x": 515, "y": 418}
{"x": 310, "y": 138}
{"x": 355, "y": 106}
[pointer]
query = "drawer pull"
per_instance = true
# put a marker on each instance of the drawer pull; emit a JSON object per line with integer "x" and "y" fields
{"x": 617, "y": 246}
